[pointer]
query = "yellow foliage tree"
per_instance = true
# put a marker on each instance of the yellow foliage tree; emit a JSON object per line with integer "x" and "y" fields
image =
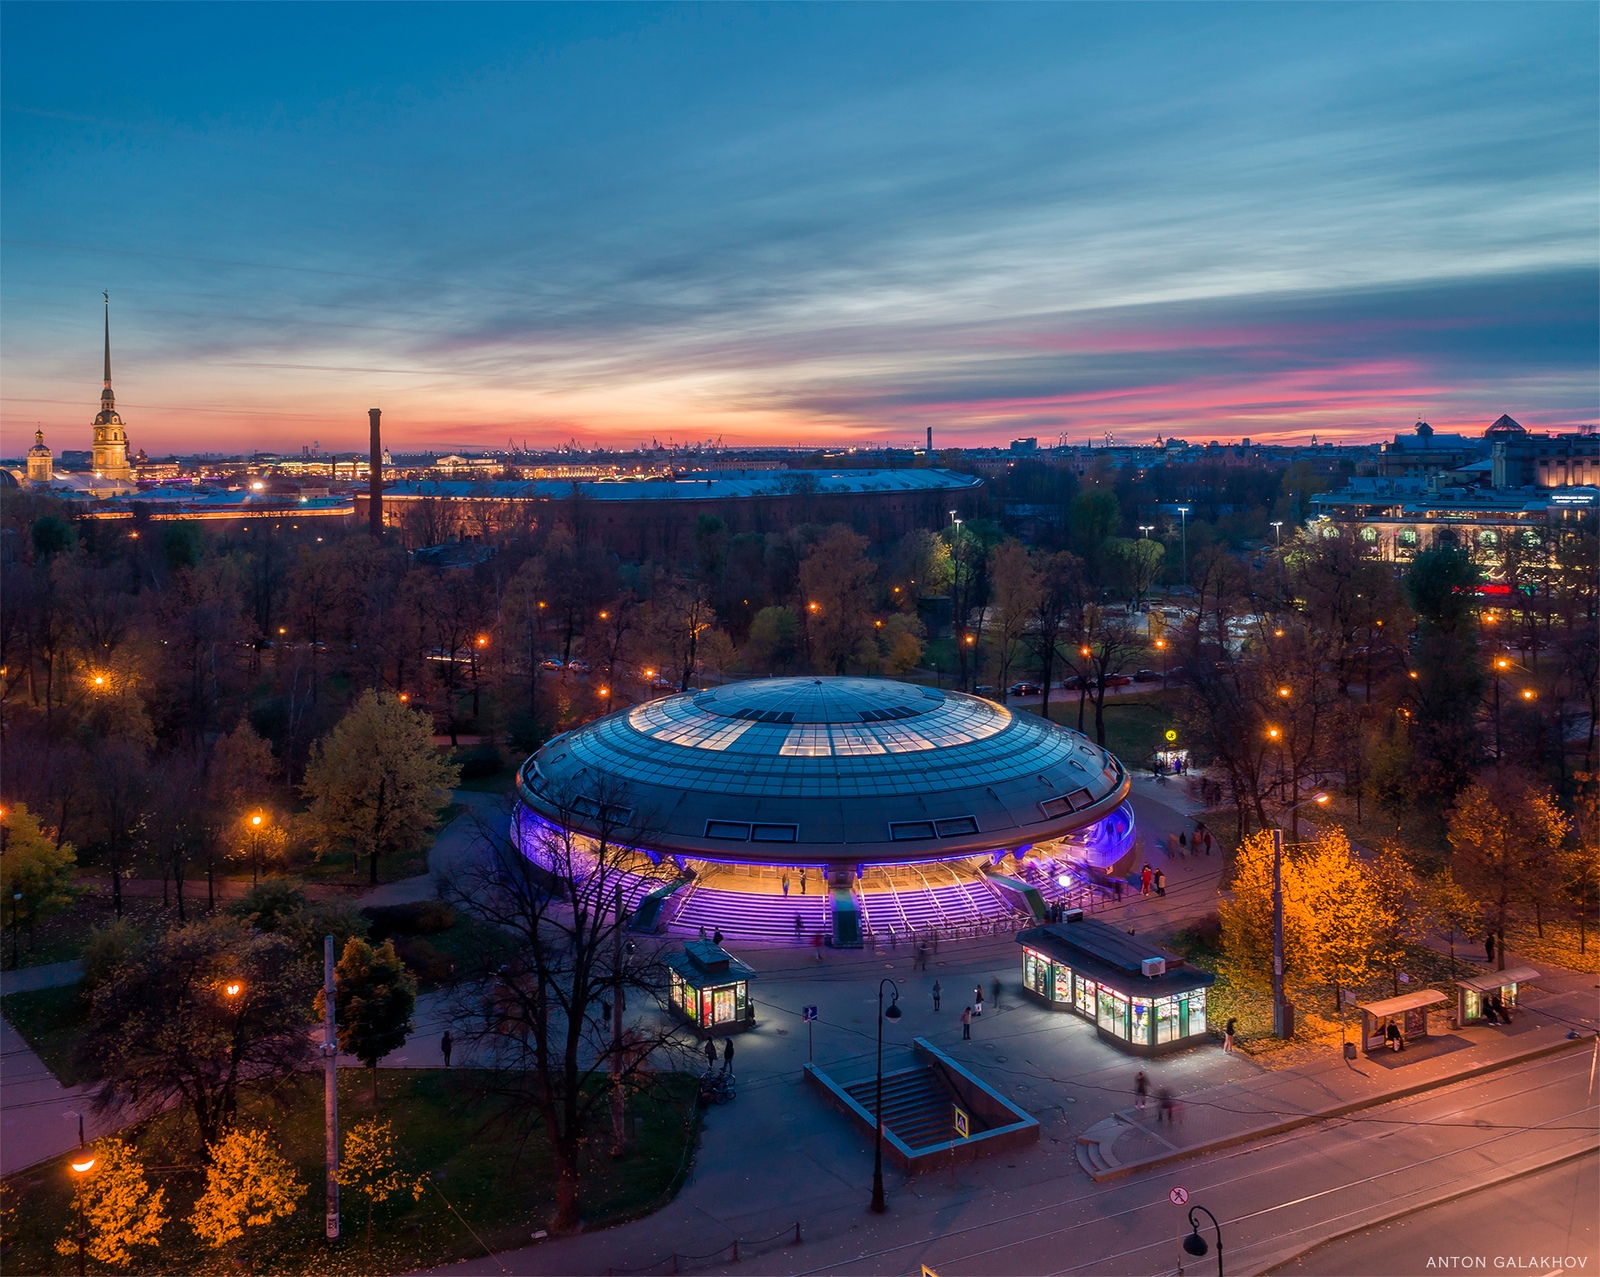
{"x": 1506, "y": 834}
{"x": 35, "y": 875}
{"x": 248, "y": 1185}
{"x": 369, "y": 1166}
{"x": 120, "y": 1208}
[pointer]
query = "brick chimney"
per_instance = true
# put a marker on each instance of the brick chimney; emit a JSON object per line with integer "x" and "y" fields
{"x": 375, "y": 477}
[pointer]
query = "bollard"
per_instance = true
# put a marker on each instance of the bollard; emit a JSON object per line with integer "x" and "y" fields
{"x": 735, "y": 1251}
{"x": 797, "y": 1232}
{"x": 674, "y": 1264}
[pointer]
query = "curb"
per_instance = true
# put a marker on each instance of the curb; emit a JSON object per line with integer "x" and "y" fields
{"x": 1271, "y": 1265}
{"x": 1354, "y": 1106}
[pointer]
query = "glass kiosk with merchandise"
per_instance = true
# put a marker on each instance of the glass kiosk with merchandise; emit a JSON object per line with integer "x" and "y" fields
{"x": 1139, "y": 997}
{"x": 710, "y": 988}
{"x": 1475, "y": 993}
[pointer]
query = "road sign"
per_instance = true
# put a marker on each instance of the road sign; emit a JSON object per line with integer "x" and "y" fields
{"x": 1171, "y": 734}
{"x": 808, "y": 1014}
{"x": 928, "y": 1272}
{"x": 1179, "y": 1196}
{"x": 963, "y": 1123}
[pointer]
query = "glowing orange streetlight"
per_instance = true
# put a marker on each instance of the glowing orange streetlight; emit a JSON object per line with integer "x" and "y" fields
{"x": 1083, "y": 651}
{"x": 1274, "y": 733}
{"x": 99, "y": 680}
{"x": 1161, "y": 642}
{"x": 1277, "y": 633}
{"x": 1528, "y": 693}
{"x": 81, "y": 1169}
{"x": 1502, "y": 664}
{"x": 813, "y": 607}
{"x": 483, "y": 640}
{"x": 1283, "y": 691}
{"x": 404, "y": 697}
{"x": 1412, "y": 674}
{"x": 604, "y": 616}
{"x": 971, "y": 638}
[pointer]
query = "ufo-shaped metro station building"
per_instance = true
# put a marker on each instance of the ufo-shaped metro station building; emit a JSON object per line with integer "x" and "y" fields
{"x": 775, "y": 807}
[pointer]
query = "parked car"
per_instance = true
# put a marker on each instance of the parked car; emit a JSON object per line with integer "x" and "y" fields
{"x": 1147, "y": 676}
{"x": 1024, "y": 689}
{"x": 550, "y": 663}
{"x": 577, "y": 665}
{"x": 1074, "y": 682}
{"x": 1117, "y": 680}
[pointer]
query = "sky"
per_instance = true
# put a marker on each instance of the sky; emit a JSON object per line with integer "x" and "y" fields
{"x": 797, "y": 223}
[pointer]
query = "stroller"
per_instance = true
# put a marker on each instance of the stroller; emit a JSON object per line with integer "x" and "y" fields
{"x": 716, "y": 1088}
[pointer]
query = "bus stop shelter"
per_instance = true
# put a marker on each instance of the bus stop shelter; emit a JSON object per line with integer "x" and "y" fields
{"x": 1473, "y": 993}
{"x": 1408, "y": 1013}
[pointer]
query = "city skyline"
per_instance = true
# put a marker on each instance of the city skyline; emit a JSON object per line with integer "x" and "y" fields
{"x": 819, "y": 225}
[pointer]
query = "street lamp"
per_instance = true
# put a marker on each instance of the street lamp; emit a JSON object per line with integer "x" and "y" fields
{"x": 81, "y": 1169}
{"x": 255, "y": 848}
{"x": 1195, "y": 1245}
{"x": 891, "y": 1012}
{"x": 1183, "y": 532}
{"x": 1147, "y": 529}
{"x": 1279, "y": 1016}
{"x": 1277, "y": 530}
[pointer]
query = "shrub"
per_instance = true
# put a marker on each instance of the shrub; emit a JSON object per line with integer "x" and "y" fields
{"x": 104, "y": 953}
{"x": 424, "y": 961}
{"x": 417, "y": 918}
{"x": 267, "y": 904}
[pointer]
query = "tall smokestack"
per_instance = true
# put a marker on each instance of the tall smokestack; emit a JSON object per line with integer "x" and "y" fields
{"x": 375, "y": 476}
{"x": 930, "y": 441}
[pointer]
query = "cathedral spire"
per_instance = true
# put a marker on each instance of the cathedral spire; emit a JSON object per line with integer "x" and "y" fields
{"x": 107, "y": 296}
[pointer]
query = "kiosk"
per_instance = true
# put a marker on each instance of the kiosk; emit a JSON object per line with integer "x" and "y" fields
{"x": 1408, "y": 1013}
{"x": 711, "y": 989}
{"x": 1475, "y": 991}
{"x": 1139, "y": 997}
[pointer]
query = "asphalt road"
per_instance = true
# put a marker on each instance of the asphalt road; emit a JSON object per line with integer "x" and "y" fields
{"x": 1551, "y": 1215}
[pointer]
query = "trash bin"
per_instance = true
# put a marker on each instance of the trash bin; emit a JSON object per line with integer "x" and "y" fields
{"x": 1349, "y": 1050}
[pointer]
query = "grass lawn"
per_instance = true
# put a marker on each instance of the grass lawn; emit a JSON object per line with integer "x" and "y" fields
{"x": 61, "y": 937}
{"x": 443, "y": 1125}
{"x": 50, "y": 1020}
{"x": 1559, "y": 946}
{"x": 1136, "y": 722}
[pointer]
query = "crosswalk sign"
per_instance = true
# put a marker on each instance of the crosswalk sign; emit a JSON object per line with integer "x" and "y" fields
{"x": 963, "y": 1123}
{"x": 807, "y": 1014}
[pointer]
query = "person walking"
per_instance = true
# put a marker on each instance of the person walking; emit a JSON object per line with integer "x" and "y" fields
{"x": 1161, "y": 883}
{"x": 799, "y": 926}
{"x": 1141, "y": 1089}
{"x": 802, "y": 882}
{"x": 1227, "y": 1036}
{"x": 966, "y": 1025}
{"x": 816, "y": 943}
{"x": 703, "y": 935}
{"x": 727, "y": 1056}
{"x": 937, "y": 990}
{"x": 716, "y": 937}
{"x": 996, "y": 990}
{"x": 1208, "y": 842}
{"x": 1488, "y": 947}
{"x": 1144, "y": 884}
{"x": 1183, "y": 843}
{"x": 1164, "y": 1106}
{"x": 785, "y": 884}
{"x": 446, "y": 1045}
{"x": 1116, "y": 887}
{"x": 977, "y": 1001}
{"x": 711, "y": 1055}
{"x": 922, "y": 955}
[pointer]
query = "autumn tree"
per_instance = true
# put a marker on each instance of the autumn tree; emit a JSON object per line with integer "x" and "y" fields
{"x": 1446, "y": 741}
{"x": 1015, "y": 590}
{"x": 835, "y": 582}
{"x": 1136, "y": 563}
{"x": 375, "y": 784}
{"x": 1344, "y": 918}
{"x": 1402, "y": 909}
{"x": 121, "y": 1211}
{"x": 249, "y": 1186}
{"x": 1506, "y": 832}
{"x": 191, "y": 1016}
{"x": 373, "y": 998}
{"x": 36, "y": 874}
{"x": 1452, "y": 909}
{"x": 774, "y": 640}
{"x": 369, "y": 1167}
{"x": 1057, "y": 615}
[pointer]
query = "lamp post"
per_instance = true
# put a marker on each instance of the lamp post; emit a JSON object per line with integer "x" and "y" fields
{"x": 1279, "y": 1015}
{"x": 1277, "y": 531}
{"x": 1195, "y": 1245}
{"x": 255, "y": 847}
{"x": 891, "y": 1012}
{"x": 1146, "y": 528}
{"x": 81, "y": 1170}
{"x": 330, "y": 1091}
{"x": 1183, "y": 533}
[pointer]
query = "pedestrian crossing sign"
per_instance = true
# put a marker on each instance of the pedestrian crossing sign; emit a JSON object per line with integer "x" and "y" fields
{"x": 963, "y": 1123}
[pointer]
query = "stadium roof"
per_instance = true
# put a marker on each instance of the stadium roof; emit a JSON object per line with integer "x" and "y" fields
{"x": 803, "y": 770}
{"x": 721, "y": 485}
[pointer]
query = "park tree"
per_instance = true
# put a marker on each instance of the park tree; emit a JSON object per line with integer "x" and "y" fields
{"x": 375, "y": 784}
{"x": 1452, "y": 909}
{"x": 561, "y": 1050}
{"x": 121, "y": 1211}
{"x": 373, "y": 998}
{"x": 774, "y": 640}
{"x": 370, "y": 1167}
{"x": 1446, "y": 741}
{"x": 1136, "y": 564}
{"x": 36, "y": 874}
{"x": 1344, "y": 919}
{"x": 1015, "y": 591}
{"x": 249, "y": 1186}
{"x": 836, "y": 588}
{"x": 193, "y": 1015}
{"x": 1057, "y": 616}
{"x": 1506, "y": 833}
{"x": 1580, "y": 862}
{"x": 1401, "y": 909}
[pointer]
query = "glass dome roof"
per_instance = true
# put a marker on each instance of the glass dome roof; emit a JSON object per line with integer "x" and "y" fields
{"x": 840, "y": 760}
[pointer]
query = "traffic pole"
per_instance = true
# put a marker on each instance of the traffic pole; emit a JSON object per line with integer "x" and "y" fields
{"x": 330, "y": 1088}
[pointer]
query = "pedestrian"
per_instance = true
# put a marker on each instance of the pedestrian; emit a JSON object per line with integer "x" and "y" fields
{"x": 1164, "y": 1106}
{"x": 446, "y": 1045}
{"x": 922, "y": 955}
{"x": 1208, "y": 842}
{"x": 786, "y": 884}
{"x": 1141, "y": 1089}
{"x": 802, "y": 882}
{"x": 716, "y": 936}
{"x": 1161, "y": 883}
{"x": 997, "y": 993}
{"x": 711, "y": 1055}
{"x": 1488, "y": 947}
{"x": 937, "y": 990}
{"x": 702, "y": 932}
{"x": 727, "y": 1056}
{"x": 1227, "y": 1036}
{"x": 1499, "y": 1005}
{"x": 1144, "y": 884}
{"x": 1116, "y": 886}
{"x": 799, "y": 926}
{"x": 1183, "y": 843}
{"x": 816, "y": 943}
{"x": 966, "y": 1025}
{"x": 977, "y": 1001}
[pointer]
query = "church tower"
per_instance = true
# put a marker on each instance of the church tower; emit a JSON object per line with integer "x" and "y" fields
{"x": 110, "y": 438}
{"x": 41, "y": 467}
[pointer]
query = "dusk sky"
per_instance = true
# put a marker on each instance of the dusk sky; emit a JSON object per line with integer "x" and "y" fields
{"x": 797, "y": 223}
